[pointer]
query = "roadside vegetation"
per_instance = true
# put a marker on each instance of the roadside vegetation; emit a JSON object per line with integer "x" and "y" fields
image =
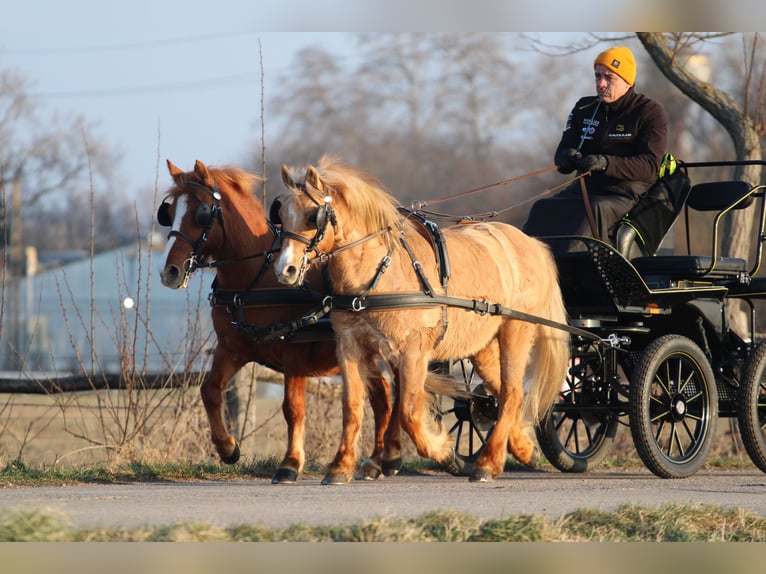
{"x": 629, "y": 523}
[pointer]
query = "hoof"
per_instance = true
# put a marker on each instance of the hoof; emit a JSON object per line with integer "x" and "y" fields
{"x": 284, "y": 476}
{"x": 368, "y": 470}
{"x": 233, "y": 457}
{"x": 455, "y": 466}
{"x": 335, "y": 478}
{"x": 534, "y": 459}
{"x": 392, "y": 467}
{"x": 481, "y": 475}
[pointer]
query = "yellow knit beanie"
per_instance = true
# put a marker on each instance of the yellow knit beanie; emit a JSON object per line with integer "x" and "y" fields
{"x": 620, "y": 60}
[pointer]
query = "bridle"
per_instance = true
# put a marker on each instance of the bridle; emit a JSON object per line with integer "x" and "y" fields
{"x": 325, "y": 215}
{"x": 205, "y": 216}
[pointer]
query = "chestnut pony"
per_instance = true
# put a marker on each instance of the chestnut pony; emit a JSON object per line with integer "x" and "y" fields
{"x": 218, "y": 222}
{"x": 485, "y": 291}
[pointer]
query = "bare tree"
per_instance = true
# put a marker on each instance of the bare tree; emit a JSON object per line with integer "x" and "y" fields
{"x": 429, "y": 114}
{"x": 46, "y": 152}
{"x": 53, "y": 158}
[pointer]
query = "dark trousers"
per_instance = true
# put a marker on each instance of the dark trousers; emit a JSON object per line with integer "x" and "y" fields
{"x": 564, "y": 214}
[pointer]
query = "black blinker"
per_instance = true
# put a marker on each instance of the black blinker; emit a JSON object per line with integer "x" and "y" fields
{"x": 202, "y": 215}
{"x": 276, "y": 205}
{"x": 163, "y": 215}
{"x": 321, "y": 218}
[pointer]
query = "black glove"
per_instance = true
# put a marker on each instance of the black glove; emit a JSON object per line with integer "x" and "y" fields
{"x": 591, "y": 163}
{"x": 566, "y": 159}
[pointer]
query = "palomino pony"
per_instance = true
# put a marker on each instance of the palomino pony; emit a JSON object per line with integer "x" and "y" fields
{"x": 485, "y": 291}
{"x": 217, "y": 222}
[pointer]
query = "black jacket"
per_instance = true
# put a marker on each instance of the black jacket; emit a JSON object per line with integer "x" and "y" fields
{"x": 631, "y": 132}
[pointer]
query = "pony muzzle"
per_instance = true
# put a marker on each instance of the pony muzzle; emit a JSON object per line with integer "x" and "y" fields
{"x": 173, "y": 277}
{"x": 292, "y": 274}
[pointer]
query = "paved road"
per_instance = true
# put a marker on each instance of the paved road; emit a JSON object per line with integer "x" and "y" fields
{"x": 227, "y": 503}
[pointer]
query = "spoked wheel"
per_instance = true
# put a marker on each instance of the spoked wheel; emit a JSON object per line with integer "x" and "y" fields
{"x": 475, "y": 416}
{"x": 751, "y": 407}
{"x": 576, "y": 435}
{"x": 673, "y": 407}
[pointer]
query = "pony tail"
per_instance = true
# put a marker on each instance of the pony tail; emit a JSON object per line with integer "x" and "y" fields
{"x": 551, "y": 355}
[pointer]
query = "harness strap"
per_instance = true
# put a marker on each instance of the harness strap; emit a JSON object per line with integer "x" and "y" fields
{"x": 418, "y": 267}
{"x": 237, "y": 301}
{"x": 414, "y": 300}
{"x": 263, "y": 297}
{"x": 285, "y": 329}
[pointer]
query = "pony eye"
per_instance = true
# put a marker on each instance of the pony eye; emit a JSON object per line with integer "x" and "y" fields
{"x": 312, "y": 219}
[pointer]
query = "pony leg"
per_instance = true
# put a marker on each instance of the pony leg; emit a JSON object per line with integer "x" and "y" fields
{"x": 509, "y": 434}
{"x": 224, "y": 367}
{"x": 380, "y": 399}
{"x": 354, "y": 373}
{"x": 392, "y": 451}
{"x": 294, "y": 411}
{"x": 416, "y": 417}
{"x": 487, "y": 365}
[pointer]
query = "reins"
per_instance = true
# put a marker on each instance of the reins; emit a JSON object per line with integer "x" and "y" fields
{"x": 422, "y": 204}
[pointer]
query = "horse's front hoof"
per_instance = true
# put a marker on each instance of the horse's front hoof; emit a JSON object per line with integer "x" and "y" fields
{"x": 393, "y": 466}
{"x": 481, "y": 475}
{"x": 335, "y": 478}
{"x": 233, "y": 457}
{"x": 368, "y": 470}
{"x": 285, "y": 476}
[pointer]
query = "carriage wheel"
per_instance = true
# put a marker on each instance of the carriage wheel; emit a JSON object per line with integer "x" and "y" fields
{"x": 673, "y": 407}
{"x": 475, "y": 416}
{"x": 751, "y": 407}
{"x": 575, "y": 439}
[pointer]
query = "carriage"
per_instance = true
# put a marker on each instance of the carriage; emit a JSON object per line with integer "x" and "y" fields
{"x": 666, "y": 361}
{"x": 649, "y": 342}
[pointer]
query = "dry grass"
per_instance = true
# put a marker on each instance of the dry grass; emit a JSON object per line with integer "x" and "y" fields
{"x": 629, "y": 523}
{"x": 68, "y": 430}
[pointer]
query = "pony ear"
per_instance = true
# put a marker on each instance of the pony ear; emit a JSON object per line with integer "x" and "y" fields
{"x": 287, "y": 178}
{"x": 202, "y": 173}
{"x": 312, "y": 178}
{"x": 174, "y": 171}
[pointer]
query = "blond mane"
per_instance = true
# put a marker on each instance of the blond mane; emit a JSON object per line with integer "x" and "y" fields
{"x": 370, "y": 204}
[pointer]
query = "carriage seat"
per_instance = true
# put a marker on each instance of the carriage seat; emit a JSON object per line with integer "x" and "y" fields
{"x": 692, "y": 267}
{"x": 720, "y": 197}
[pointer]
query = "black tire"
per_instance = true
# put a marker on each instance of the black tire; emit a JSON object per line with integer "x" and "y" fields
{"x": 673, "y": 407}
{"x": 573, "y": 439}
{"x": 751, "y": 407}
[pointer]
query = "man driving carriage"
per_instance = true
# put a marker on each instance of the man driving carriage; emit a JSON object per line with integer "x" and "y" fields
{"x": 616, "y": 139}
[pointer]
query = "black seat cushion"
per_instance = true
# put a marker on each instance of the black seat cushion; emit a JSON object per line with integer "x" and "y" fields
{"x": 690, "y": 266}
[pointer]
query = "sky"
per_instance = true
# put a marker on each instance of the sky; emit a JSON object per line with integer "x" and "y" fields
{"x": 157, "y": 80}
{"x": 181, "y": 79}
